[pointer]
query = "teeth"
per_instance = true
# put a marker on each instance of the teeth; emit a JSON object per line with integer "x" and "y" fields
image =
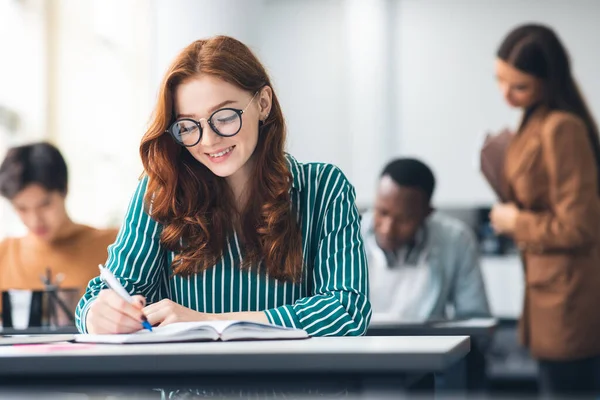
{"x": 222, "y": 153}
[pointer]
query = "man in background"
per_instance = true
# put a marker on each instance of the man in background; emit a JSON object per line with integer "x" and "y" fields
{"x": 34, "y": 179}
{"x": 421, "y": 263}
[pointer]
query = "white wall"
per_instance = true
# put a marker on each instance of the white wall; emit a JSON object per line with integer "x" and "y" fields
{"x": 101, "y": 101}
{"x": 23, "y": 83}
{"x": 178, "y": 23}
{"x": 447, "y": 96}
{"x": 306, "y": 62}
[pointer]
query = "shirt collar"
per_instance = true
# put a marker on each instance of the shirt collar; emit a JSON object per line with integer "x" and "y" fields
{"x": 297, "y": 172}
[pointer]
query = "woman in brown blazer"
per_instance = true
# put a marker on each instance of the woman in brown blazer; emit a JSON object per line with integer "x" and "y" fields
{"x": 552, "y": 181}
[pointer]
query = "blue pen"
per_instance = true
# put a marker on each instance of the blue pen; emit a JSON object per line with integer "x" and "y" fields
{"x": 114, "y": 284}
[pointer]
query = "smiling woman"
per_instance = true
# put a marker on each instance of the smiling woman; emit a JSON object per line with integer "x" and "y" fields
{"x": 226, "y": 225}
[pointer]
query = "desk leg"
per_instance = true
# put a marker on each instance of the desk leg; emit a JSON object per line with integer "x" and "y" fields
{"x": 468, "y": 376}
{"x": 398, "y": 387}
{"x": 453, "y": 381}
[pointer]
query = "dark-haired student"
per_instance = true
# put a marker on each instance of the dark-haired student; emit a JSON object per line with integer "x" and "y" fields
{"x": 420, "y": 261}
{"x": 552, "y": 170}
{"x": 225, "y": 224}
{"x": 34, "y": 179}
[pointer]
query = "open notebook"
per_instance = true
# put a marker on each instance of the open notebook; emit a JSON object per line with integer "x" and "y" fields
{"x": 200, "y": 331}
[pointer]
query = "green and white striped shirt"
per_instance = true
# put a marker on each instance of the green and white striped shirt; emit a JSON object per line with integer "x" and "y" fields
{"x": 331, "y": 299}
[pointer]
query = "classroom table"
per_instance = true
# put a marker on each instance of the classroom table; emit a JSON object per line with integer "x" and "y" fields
{"x": 477, "y": 327}
{"x": 363, "y": 366}
{"x": 481, "y": 330}
{"x": 39, "y": 330}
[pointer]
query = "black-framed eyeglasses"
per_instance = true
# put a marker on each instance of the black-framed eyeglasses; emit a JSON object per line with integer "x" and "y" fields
{"x": 224, "y": 122}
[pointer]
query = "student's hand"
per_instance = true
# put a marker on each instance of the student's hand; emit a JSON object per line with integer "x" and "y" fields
{"x": 166, "y": 312}
{"x": 503, "y": 218}
{"x": 109, "y": 313}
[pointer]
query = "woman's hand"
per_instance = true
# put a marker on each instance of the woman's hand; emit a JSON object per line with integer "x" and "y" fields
{"x": 109, "y": 313}
{"x": 166, "y": 312}
{"x": 503, "y": 218}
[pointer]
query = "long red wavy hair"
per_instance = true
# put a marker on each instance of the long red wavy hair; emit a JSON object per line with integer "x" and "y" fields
{"x": 195, "y": 206}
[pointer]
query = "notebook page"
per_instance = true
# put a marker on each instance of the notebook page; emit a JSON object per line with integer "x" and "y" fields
{"x": 169, "y": 333}
{"x": 255, "y": 330}
{"x": 199, "y": 330}
{"x": 181, "y": 327}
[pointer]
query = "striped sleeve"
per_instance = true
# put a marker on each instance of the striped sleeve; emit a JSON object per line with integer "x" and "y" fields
{"x": 339, "y": 305}
{"x": 136, "y": 258}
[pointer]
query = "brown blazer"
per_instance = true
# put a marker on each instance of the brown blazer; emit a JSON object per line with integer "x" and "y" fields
{"x": 551, "y": 175}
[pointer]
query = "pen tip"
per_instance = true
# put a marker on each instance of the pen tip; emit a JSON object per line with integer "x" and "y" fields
{"x": 147, "y": 325}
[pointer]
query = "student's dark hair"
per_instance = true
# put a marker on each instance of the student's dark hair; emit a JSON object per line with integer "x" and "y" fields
{"x": 537, "y": 50}
{"x": 410, "y": 172}
{"x": 36, "y": 163}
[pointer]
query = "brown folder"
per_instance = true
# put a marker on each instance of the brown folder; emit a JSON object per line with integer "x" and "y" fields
{"x": 491, "y": 161}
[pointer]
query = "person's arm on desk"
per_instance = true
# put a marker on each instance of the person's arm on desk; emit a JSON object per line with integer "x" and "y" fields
{"x": 338, "y": 304}
{"x": 136, "y": 259}
{"x": 167, "y": 311}
{"x": 468, "y": 293}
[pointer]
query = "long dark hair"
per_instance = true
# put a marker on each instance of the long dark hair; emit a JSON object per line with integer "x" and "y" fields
{"x": 194, "y": 204}
{"x": 537, "y": 50}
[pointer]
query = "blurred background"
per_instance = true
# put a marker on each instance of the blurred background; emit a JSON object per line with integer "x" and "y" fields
{"x": 360, "y": 81}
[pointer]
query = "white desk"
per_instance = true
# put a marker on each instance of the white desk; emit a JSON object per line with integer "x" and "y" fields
{"x": 481, "y": 327}
{"x": 364, "y": 362}
{"x": 39, "y": 330}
